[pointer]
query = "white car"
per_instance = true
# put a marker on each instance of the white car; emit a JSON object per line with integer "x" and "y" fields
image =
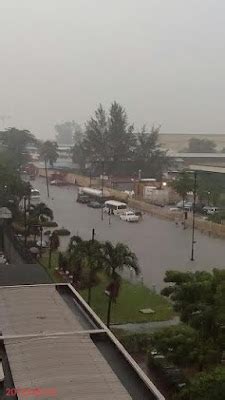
{"x": 129, "y": 216}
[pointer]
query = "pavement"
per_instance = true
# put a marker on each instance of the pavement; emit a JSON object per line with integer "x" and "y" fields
{"x": 147, "y": 327}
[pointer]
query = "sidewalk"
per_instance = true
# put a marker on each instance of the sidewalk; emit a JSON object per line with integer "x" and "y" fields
{"x": 147, "y": 327}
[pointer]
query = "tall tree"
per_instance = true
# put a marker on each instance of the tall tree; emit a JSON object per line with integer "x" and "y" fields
{"x": 116, "y": 258}
{"x": 48, "y": 153}
{"x": 183, "y": 184}
{"x": 96, "y": 140}
{"x": 54, "y": 244}
{"x": 16, "y": 142}
{"x": 199, "y": 297}
{"x": 41, "y": 211}
{"x": 86, "y": 256}
{"x": 120, "y": 134}
{"x": 149, "y": 155}
{"x": 68, "y": 132}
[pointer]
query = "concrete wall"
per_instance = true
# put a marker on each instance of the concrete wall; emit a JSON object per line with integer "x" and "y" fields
{"x": 80, "y": 180}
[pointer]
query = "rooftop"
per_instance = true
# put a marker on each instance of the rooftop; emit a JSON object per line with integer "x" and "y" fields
{"x": 54, "y": 340}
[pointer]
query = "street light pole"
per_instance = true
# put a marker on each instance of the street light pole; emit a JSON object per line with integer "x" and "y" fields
{"x": 102, "y": 189}
{"x": 46, "y": 177}
{"x": 25, "y": 220}
{"x": 193, "y": 221}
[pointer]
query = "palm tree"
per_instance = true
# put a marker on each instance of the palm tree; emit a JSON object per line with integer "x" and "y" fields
{"x": 41, "y": 211}
{"x": 86, "y": 255}
{"x": 76, "y": 257}
{"x": 116, "y": 258}
{"x": 53, "y": 246}
{"x": 48, "y": 152}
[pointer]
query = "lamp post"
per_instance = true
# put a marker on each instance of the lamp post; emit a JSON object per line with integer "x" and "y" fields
{"x": 46, "y": 177}
{"x": 25, "y": 220}
{"x": 102, "y": 187}
{"x": 193, "y": 220}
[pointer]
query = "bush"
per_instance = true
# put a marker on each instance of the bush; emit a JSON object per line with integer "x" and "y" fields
{"x": 135, "y": 343}
{"x": 47, "y": 233}
{"x": 217, "y": 217}
{"x": 50, "y": 224}
{"x": 18, "y": 228}
{"x": 62, "y": 232}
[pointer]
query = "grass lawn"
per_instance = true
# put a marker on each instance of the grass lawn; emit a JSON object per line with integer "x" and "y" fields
{"x": 54, "y": 263}
{"x": 132, "y": 298}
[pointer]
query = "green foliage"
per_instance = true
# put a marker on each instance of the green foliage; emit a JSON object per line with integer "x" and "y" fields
{"x": 218, "y": 217}
{"x": 49, "y": 224}
{"x": 62, "y": 232}
{"x": 110, "y": 139}
{"x": 85, "y": 260}
{"x": 148, "y": 154}
{"x": 199, "y": 297}
{"x": 54, "y": 241}
{"x": 48, "y": 152}
{"x": 118, "y": 256}
{"x": 16, "y": 140}
{"x": 183, "y": 346}
{"x": 132, "y": 298}
{"x": 210, "y": 187}
{"x": 68, "y": 132}
{"x": 206, "y": 386}
{"x": 136, "y": 342}
{"x": 41, "y": 211}
{"x": 183, "y": 184}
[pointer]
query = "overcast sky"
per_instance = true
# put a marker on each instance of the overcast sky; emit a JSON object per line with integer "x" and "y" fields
{"x": 164, "y": 60}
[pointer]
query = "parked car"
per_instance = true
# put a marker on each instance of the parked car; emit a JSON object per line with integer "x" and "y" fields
{"x": 57, "y": 182}
{"x": 187, "y": 205}
{"x": 43, "y": 244}
{"x": 210, "y": 210}
{"x": 94, "y": 204}
{"x": 83, "y": 199}
{"x": 129, "y": 216}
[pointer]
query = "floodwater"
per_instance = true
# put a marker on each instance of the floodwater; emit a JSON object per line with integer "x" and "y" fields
{"x": 159, "y": 244}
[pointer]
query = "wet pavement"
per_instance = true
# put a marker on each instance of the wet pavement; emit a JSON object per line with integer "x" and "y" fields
{"x": 159, "y": 244}
{"x": 147, "y": 327}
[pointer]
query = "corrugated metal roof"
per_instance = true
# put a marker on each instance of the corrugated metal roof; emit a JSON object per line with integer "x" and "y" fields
{"x": 71, "y": 364}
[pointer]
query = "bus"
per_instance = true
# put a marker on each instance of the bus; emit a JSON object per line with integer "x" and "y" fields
{"x": 114, "y": 207}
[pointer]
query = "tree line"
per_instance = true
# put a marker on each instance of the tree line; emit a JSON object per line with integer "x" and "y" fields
{"x": 109, "y": 143}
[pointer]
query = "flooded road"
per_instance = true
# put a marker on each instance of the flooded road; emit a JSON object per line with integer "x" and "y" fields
{"x": 159, "y": 244}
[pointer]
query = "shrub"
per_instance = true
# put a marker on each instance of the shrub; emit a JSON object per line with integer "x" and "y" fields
{"x": 18, "y": 228}
{"x": 62, "y": 232}
{"x": 135, "y": 343}
{"x": 217, "y": 217}
{"x": 50, "y": 224}
{"x": 47, "y": 233}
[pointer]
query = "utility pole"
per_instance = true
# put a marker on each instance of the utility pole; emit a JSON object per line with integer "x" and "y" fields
{"x": 102, "y": 188}
{"x": 25, "y": 220}
{"x": 93, "y": 235}
{"x": 193, "y": 221}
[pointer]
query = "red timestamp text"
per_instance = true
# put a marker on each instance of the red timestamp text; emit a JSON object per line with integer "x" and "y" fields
{"x": 28, "y": 392}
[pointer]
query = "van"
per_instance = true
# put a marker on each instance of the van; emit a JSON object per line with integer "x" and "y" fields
{"x": 212, "y": 210}
{"x": 114, "y": 207}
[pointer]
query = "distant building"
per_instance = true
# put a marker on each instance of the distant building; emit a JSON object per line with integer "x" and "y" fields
{"x": 178, "y": 141}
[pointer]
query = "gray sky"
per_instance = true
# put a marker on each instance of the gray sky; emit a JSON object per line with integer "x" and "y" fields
{"x": 164, "y": 60}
